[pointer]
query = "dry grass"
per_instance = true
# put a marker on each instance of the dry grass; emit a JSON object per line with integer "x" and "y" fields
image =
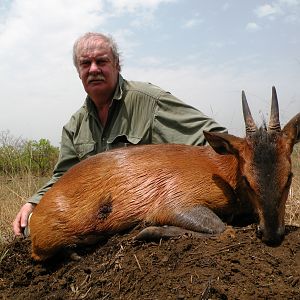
{"x": 15, "y": 190}
{"x": 293, "y": 203}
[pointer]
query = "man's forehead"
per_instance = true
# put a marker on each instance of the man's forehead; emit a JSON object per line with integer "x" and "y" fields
{"x": 92, "y": 46}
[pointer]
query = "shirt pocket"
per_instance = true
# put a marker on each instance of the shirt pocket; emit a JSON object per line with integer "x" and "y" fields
{"x": 85, "y": 150}
{"x": 122, "y": 140}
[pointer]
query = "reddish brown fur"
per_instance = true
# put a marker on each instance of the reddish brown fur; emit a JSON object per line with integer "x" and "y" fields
{"x": 143, "y": 183}
{"x": 112, "y": 191}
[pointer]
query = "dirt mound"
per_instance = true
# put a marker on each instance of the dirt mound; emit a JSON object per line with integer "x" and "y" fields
{"x": 239, "y": 267}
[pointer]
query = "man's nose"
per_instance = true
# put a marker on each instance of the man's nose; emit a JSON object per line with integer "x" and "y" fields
{"x": 94, "y": 67}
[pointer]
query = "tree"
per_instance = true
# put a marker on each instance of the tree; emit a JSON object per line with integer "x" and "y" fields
{"x": 40, "y": 155}
{"x": 18, "y": 155}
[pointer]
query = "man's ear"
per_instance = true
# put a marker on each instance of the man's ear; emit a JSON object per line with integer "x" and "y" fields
{"x": 224, "y": 143}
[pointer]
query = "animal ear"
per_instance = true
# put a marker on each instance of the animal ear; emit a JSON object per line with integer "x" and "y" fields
{"x": 292, "y": 130}
{"x": 223, "y": 143}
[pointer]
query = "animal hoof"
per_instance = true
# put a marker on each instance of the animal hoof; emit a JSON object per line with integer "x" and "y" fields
{"x": 151, "y": 233}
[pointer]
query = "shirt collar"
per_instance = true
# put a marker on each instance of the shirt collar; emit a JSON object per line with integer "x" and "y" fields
{"x": 119, "y": 91}
{"x": 117, "y": 96}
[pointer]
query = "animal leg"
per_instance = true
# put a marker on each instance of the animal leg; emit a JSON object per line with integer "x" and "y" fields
{"x": 197, "y": 221}
{"x": 155, "y": 233}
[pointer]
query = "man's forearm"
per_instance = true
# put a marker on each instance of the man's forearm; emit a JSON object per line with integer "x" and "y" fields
{"x": 40, "y": 193}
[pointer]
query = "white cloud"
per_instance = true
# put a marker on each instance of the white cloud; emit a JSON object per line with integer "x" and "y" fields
{"x": 45, "y": 29}
{"x": 225, "y": 6}
{"x": 133, "y": 5}
{"x": 268, "y": 10}
{"x": 288, "y": 9}
{"x": 142, "y": 12}
{"x": 192, "y": 23}
{"x": 291, "y": 19}
{"x": 150, "y": 61}
{"x": 290, "y": 2}
{"x": 252, "y": 27}
{"x": 126, "y": 41}
{"x": 217, "y": 44}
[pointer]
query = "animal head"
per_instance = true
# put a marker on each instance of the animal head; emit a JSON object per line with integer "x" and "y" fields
{"x": 264, "y": 166}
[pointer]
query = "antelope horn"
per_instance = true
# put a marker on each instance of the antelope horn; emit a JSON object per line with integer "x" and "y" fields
{"x": 274, "y": 124}
{"x": 249, "y": 123}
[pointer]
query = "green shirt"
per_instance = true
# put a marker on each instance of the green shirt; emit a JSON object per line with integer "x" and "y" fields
{"x": 140, "y": 113}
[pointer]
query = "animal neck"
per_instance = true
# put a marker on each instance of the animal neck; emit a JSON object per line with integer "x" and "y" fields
{"x": 227, "y": 168}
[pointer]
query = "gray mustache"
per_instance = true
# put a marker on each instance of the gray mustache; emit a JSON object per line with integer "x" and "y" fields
{"x": 96, "y": 77}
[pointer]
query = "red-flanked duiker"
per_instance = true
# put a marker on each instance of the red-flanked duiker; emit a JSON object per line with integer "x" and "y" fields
{"x": 186, "y": 187}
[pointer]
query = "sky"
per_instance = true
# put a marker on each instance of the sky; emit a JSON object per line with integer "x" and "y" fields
{"x": 203, "y": 52}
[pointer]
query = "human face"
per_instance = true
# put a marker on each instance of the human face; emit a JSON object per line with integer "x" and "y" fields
{"x": 97, "y": 69}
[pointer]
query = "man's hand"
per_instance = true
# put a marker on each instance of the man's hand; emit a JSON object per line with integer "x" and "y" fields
{"x": 21, "y": 220}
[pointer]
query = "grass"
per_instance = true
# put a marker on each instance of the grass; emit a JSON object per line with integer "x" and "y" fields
{"x": 293, "y": 203}
{"x": 14, "y": 191}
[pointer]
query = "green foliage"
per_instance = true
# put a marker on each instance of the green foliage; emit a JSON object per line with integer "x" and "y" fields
{"x": 18, "y": 156}
{"x": 40, "y": 155}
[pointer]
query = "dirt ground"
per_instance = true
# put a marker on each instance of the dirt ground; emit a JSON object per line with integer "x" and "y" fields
{"x": 237, "y": 267}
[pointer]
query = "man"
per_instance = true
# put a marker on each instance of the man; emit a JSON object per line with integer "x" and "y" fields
{"x": 117, "y": 113}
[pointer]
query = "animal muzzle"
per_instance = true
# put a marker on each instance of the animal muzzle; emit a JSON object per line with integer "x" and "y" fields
{"x": 271, "y": 236}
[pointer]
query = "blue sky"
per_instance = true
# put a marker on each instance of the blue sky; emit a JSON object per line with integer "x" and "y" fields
{"x": 204, "y": 52}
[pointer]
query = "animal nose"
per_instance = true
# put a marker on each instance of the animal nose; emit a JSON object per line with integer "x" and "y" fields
{"x": 271, "y": 238}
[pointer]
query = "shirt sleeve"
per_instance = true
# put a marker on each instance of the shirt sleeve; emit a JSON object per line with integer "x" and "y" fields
{"x": 67, "y": 159}
{"x": 178, "y": 123}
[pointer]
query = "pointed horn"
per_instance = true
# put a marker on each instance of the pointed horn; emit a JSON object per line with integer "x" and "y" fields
{"x": 249, "y": 122}
{"x": 274, "y": 123}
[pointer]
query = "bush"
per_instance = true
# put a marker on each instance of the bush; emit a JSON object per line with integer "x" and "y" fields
{"x": 19, "y": 156}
